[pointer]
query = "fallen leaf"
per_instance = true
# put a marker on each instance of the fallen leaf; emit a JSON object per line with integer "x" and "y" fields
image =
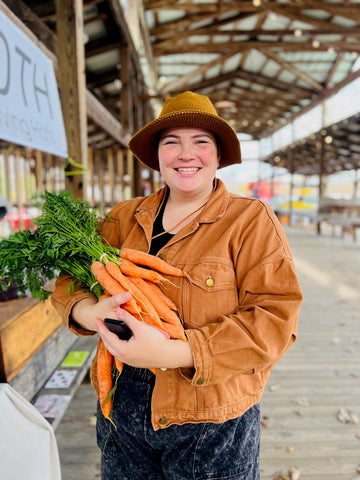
{"x": 294, "y": 473}
{"x": 264, "y": 423}
{"x": 92, "y": 420}
{"x": 345, "y": 415}
{"x": 274, "y": 387}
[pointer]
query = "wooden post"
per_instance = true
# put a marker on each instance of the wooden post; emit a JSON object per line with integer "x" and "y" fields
{"x": 100, "y": 161}
{"x": 19, "y": 187}
{"x": 39, "y": 173}
{"x": 127, "y": 114}
{"x": 8, "y": 186}
{"x": 120, "y": 174}
{"x": 127, "y": 119}
{"x": 91, "y": 198}
{"x": 291, "y": 194}
{"x": 321, "y": 173}
{"x": 71, "y": 56}
{"x": 111, "y": 174}
{"x": 130, "y": 171}
{"x": 356, "y": 182}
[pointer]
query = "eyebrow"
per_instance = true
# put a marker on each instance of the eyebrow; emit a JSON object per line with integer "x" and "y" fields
{"x": 198, "y": 135}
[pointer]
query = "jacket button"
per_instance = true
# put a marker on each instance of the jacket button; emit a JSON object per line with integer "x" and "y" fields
{"x": 201, "y": 381}
{"x": 209, "y": 282}
{"x": 163, "y": 420}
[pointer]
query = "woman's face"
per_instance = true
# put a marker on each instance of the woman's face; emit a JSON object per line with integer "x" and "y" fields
{"x": 188, "y": 159}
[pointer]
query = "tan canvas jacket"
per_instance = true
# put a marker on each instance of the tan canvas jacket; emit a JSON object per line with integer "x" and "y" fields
{"x": 239, "y": 302}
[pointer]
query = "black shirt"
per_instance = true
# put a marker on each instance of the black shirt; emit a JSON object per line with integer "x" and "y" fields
{"x": 158, "y": 242}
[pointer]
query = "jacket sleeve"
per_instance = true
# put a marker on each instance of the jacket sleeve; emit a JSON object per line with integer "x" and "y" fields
{"x": 64, "y": 297}
{"x": 264, "y": 325}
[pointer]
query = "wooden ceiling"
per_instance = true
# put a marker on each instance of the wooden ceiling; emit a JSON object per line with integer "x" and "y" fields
{"x": 262, "y": 62}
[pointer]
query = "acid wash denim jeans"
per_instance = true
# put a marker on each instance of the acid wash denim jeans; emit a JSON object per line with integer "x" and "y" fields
{"x": 193, "y": 451}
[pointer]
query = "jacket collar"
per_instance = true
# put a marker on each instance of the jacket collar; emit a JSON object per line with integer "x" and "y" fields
{"x": 214, "y": 209}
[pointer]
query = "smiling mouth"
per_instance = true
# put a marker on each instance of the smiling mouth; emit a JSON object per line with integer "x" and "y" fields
{"x": 187, "y": 170}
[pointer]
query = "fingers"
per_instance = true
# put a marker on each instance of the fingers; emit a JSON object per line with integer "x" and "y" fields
{"x": 119, "y": 299}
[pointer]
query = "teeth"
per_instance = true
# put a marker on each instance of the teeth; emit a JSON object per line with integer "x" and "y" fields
{"x": 187, "y": 170}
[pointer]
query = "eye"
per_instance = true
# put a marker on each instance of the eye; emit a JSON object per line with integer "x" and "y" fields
{"x": 203, "y": 141}
{"x": 168, "y": 141}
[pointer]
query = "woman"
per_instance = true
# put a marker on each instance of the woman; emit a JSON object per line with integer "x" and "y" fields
{"x": 198, "y": 418}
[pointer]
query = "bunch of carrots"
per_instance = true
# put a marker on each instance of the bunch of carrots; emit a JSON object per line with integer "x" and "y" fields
{"x": 148, "y": 304}
{"x": 67, "y": 239}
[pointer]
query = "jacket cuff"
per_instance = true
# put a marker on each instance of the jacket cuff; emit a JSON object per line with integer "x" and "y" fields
{"x": 201, "y": 373}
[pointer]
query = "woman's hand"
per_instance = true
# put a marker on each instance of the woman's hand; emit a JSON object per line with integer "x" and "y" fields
{"x": 88, "y": 310}
{"x": 147, "y": 348}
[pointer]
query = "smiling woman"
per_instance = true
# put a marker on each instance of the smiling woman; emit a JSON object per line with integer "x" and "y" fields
{"x": 188, "y": 160}
{"x": 238, "y": 301}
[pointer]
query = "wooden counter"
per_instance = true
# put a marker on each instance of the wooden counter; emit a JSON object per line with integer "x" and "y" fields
{"x": 25, "y": 325}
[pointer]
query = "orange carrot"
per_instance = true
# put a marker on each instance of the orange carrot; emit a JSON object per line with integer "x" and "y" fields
{"x": 115, "y": 272}
{"x": 142, "y": 258}
{"x": 161, "y": 294}
{"x": 164, "y": 312}
{"x": 159, "y": 304}
{"x": 175, "y": 331}
{"x": 104, "y": 295}
{"x": 119, "y": 365}
{"x": 148, "y": 310}
{"x": 111, "y": 285}
{"x": 105, "y": 279}
{"x": 104, "y": 366}
{"x": 129, "y": 268}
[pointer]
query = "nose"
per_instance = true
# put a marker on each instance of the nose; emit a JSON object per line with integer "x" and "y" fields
{"x": 186, "y": 151}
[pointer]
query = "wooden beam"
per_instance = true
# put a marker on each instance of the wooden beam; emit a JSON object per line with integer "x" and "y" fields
{"x": 120, "y": 20}
{"x": 298, "y": 73}
{"x": 184, "y": 80}
{"x": 71, "y": 56}
{"x": 102, "y": 117}
{"x": 126, "y": 93}
{"x": 221, "y": 47}
{"x": 25, "y": 19}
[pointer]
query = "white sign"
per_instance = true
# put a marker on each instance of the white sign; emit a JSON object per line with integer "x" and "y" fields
{"x": 30, "y": 112}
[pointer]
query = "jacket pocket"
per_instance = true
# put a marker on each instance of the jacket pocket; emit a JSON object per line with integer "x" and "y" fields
{"x": 210, "y": 291}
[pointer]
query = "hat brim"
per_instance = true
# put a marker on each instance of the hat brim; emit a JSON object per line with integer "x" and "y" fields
{"x": 144, "y": 143}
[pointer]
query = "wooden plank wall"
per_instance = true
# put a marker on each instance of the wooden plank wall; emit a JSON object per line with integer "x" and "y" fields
{"x": 25, "y": 174}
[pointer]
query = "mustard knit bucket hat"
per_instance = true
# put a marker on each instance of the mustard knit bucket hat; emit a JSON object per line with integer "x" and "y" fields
{"x": 191, "y": 110}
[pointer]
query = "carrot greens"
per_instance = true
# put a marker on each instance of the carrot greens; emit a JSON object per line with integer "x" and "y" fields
{"x": 66, "y": 240}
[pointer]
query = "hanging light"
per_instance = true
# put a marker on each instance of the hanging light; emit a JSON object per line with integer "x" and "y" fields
{"x": 316, "y": 44}
{"x": 298, "y": 32}
{"x": 328, "y": 139}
